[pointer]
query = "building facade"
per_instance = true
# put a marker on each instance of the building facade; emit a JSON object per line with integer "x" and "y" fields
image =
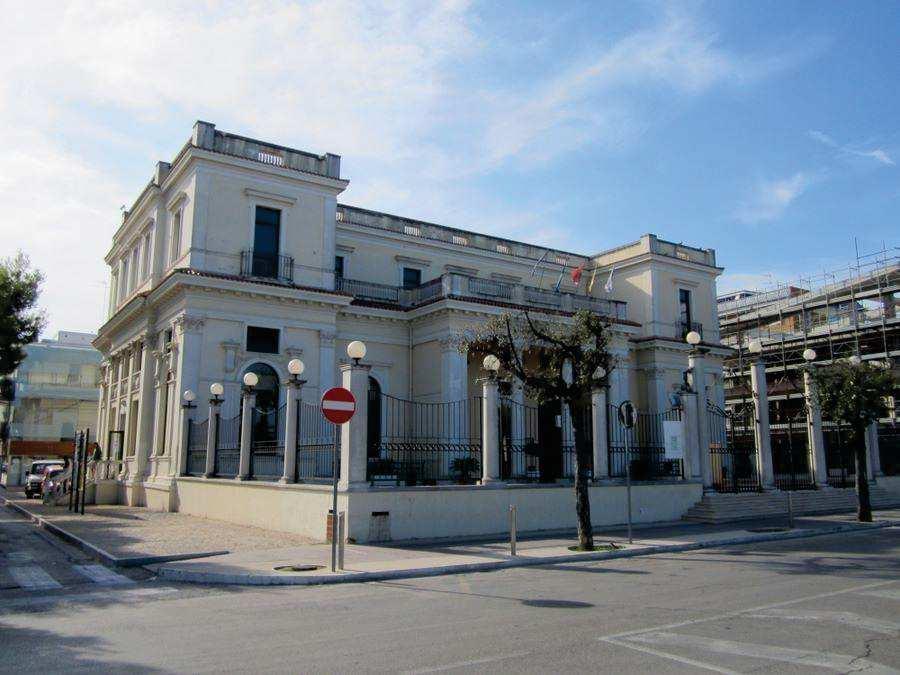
{"x": 237, "y": 257}
{"x": 54, "y": 395}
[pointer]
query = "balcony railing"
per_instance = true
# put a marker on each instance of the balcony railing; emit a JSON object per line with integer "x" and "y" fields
{"x": 267, "y": 266}
{"x": 460, "y": 286}
{"x": 685, "y": 327}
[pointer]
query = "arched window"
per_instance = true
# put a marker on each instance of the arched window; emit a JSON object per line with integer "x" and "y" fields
{"x": 267, "y": 390}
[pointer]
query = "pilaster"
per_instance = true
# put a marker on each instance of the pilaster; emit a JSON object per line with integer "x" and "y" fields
{"x": 761, "y": 430}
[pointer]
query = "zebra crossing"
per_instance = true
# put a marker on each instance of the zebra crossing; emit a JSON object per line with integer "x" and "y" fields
{"x": 22, "y": 573}
{"x": 730, "y": 643}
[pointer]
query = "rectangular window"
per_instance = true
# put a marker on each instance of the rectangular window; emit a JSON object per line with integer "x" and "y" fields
{"x": 124, "y": 280}
{"x": 175, "y": 250}
{"x": 411, "y": 277}
{"x": 339, "y": 266}
{"x": 266, "y": 236}
{"x": 135, "y": 267}
{"x": 684, "y": 308}
{"x": 262, "y": 340}
{"x": 145, "y": 263}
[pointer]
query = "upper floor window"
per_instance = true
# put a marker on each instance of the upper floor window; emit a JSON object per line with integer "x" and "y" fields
{"x": 339, "y": 266}
{"x": 175, "y": 249}
{"x": 685, "y": 308}
{"x": 411, "y": 277}
{"x": 145, "y": 261}
{"x": 266, "y": 242}
{"x": 135, "y": 267}
{"x": 262, "y": 340}
{"x": 123, "y": 288}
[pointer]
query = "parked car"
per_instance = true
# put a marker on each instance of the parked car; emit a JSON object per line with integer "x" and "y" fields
{"x": 35, "y": 475}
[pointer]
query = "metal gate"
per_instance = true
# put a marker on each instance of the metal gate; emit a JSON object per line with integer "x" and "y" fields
{"x": 520, "y": 450}
{"x": 790, "y": 449}
{"x": 646, "y": 446}
{"x": 228, "y": 446}
{"x": 315, "y": 444}
{"x": 196, "y": 451}
{"x": 267, "y": 443}
{"x": 732, "y": 449}
{"x": 839, "y": 458}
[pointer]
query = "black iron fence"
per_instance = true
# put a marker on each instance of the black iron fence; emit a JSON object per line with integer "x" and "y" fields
{"x": 840, "y": 462}
{"x": 411, "y": 443}
{"x": 582, "y": 420}
{"x": 196, "y": 450}
{"x": 315, "y": 444}
{"x": 646, "y": 446}
{"x": 889, "y": 448}
{"x": 228, "y": 446}
{"x": 732, "y": 449}
{"x": 520, "y": 451}
{"x": 267, "y": 444}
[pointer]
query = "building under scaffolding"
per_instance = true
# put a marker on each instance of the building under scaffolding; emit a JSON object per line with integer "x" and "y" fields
{"x": 838, "y": 314}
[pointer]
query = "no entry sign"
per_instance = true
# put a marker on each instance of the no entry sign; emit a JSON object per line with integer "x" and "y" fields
{"x": 338, "y": 405}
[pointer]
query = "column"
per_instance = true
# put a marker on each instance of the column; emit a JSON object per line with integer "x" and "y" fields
{"x": 761, "y": 431}
{"x": 620, "y": 380}
{"x": 144, "y": 436}
{"x": 159, "y": 415}
{"x": 127, "y": 449}
{"x": 814, "y": 432}
{"x": 657, "y": 400}
{"x": 248, "y": 402}
{"x": 454, "y": 372}
{"x": 211, "y": 428}
{"x": 353, "y": 446}
{"x": 291, "y": 406}
{"x": 697, "y": 365}
{"x": 490, "y": 431}
{"x": 601, "y": 447}
{"x": 326, "y": 361}
{"x": 874, "y": 463}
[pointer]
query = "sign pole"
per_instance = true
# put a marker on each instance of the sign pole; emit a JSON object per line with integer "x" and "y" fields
{"x": 627, "y": 418}
{"x": 334, "y": 491}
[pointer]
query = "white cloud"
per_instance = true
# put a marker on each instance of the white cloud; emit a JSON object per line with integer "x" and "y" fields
{"x": 771, "y": 198}
{"x": 878, "y": 154}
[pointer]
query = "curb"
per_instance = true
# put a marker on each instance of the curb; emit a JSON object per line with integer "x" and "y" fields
{"x": 248, "y": 579}
{"x": 97, "y": 552}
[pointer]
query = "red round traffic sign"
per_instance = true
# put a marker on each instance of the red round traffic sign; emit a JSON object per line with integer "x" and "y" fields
{"x": 338, "y": 405}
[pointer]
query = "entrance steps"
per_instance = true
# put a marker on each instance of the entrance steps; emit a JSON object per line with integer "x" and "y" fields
{"x": 723, "y": 508}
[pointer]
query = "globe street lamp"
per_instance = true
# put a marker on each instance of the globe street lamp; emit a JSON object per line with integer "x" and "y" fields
{"x": 216, "y": 389}
{"x": 295, "y": 368}
{"x": 189, "y": 397}
{"x": 356, "y": 350}
{"x": 809, "y": 355}
{"x": 251, "y": 379}
{"x": 492, "y": 365}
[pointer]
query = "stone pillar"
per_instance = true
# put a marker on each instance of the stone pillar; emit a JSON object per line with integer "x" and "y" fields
{"x": 761, "y": 430}
{"x": 620, "y": 380}
{"x": 248, "y": 402}
{"x": 353, "y": 443}
{"x": 326, "y": 360}
{"x": 490, "y": 431}
{"x": 160, "y": 373}
{"x": 874, "y": 458}
{"x": 291, "y": 406}
{"x": 657, "y": 399}
{"x": 697, "y": 365}
{"x": 212, "y": 423}
{"x": 600, "y": 441}
{"x": 144, "y": 436}
{"x": 690, "y": 422}
{"x": 453, "y": 372}
{"x": 814, "y": 432}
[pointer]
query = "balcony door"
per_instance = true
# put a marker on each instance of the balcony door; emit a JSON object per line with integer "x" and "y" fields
{"x": 266, "y": 241}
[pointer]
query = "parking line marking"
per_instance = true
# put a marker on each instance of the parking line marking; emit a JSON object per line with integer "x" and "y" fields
{"x": 845, "y": 618}
{"x": 802, "y": 657}
{"x": 100, "y": 574}
{"x": 464, "y": 664}
{"x": 33, "y": 577}
{"x": 672, "y": 657}
{"x": 20, "y": 557}
{"x": 888, "y": 593}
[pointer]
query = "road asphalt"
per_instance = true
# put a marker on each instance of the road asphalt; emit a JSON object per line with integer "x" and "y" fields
{"x": 829, "y": 603}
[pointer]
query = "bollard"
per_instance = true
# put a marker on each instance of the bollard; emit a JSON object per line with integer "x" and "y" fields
{"x": 512, "y": 530}
{"x": 341, "y": 537}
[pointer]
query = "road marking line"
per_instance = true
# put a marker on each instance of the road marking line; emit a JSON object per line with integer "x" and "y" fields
{"x": 845, "y": 618}
{"x": 464, "y": 664}
{"x": 801, "y": 657}
{"x": 33, "y": 577}
{"x": 121, "y": 596}
{"x": 888, "y": 593}
{"x": 20, "y": 557}
{"x": 100, "y": 574}
{"x": 738, "y": 612}
{"x": 672, "y": 657}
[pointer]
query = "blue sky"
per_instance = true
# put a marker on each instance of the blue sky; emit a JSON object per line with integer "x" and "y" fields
{"x": 766, "y": 130}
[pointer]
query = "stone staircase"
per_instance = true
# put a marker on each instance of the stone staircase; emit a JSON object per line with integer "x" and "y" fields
{"x": 723, "y": 508}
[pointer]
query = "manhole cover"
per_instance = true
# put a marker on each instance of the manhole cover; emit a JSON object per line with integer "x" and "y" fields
{"x": 768, "y": 529}
{"x": 297, "y": 568}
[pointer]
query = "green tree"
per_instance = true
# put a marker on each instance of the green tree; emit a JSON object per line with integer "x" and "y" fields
{"x": 559, "y": 361}
{"x": 855, "y": 394}
{"x": 20, "y": 321}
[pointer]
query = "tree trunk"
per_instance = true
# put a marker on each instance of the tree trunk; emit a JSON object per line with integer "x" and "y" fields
{"x": 864, "y": 511}
{"x": 583, "y": 453}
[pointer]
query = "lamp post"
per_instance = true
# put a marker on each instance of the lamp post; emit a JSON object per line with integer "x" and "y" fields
{"x": 291, "y": 419}
{"x": 215, "y": 390}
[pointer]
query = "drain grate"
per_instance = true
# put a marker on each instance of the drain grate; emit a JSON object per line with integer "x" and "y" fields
{"x": 298, "y": 568}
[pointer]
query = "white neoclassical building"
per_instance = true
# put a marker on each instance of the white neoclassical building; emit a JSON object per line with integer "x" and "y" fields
{"x": 237, "y": 258}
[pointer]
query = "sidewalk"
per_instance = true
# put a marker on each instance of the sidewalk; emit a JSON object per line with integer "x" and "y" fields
{"x": 128, "y": 536}
{"x": 370, "y": 563}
